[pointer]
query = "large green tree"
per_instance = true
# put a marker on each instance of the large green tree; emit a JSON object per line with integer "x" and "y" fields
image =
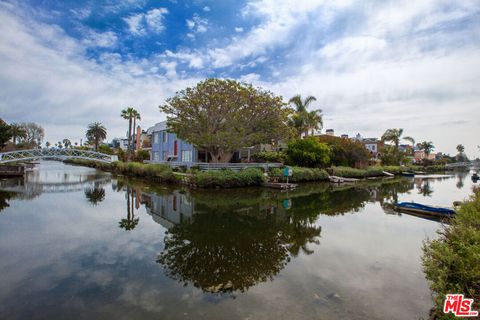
{"x": 96, "y": 133}
{"x": 5, "y": 133}
{"x": 221, "y": 116}
{"x": 18, "y": 131}
{"x": 35, "y": 133}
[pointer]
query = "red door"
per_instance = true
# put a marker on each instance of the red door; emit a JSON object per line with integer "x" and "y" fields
{"x": 175, "y": 148}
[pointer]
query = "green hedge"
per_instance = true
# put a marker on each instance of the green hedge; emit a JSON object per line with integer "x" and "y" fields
{"x": 452, "y": 262}
{"x": 300, "y": 174}
{"x": 157, "y": 172}
{"x": 227, "y": 178}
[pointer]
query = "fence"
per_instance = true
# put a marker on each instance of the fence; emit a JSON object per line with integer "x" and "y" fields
{"x": 218, "y": 166}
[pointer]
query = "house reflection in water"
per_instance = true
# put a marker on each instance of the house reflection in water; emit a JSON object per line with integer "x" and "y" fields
{"x": 169, "y": 209}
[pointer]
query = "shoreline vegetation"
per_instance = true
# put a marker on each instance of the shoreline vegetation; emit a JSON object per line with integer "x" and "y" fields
{"x": 452, "y": 262}
{"x": 244, "y": 178}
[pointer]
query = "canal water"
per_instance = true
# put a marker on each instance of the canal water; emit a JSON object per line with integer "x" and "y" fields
{"x": 76, "y": 243}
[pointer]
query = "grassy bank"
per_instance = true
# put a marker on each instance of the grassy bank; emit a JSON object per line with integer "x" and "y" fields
{"x": 164, "y": 173}
{"x": 452, "y": 262}
{"x": 377, "y": 171}
{"x": 155, "y": 172}
{"x": 300, "y": 174}
{"x": 229, "y": 178}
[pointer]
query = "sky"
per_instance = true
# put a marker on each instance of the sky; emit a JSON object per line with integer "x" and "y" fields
{"x": 371, "y": 64}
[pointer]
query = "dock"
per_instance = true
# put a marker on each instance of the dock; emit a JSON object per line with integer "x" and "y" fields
{"x": 279, "y": 185}
{"x": 335, "y": 179}
{"x": 12, "y": 171}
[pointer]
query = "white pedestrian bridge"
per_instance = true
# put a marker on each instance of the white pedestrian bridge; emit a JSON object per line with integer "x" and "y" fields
{"x": 54, "y": 153}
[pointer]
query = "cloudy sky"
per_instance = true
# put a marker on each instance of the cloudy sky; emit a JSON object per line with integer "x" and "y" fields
{"x": 372, "y": 65}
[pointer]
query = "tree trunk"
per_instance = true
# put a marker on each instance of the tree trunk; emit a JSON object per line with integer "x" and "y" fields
{"x": 129, "y": 137}
{"x": 221, "y": 156}
{"x": 96, "y": 144}
{"x": 134, "y": 133}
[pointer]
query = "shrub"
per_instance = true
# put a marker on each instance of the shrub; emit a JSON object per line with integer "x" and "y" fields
{"x": 228, "y": 178}
{"x": 348, "y": 172}
{"x": 268, "y": 156}
{"x": 142, "y": 155}
{"x": 300, "y": 174}
{"x": 308, "y": 152}
{"x": 452, "y": 262}
{"x": 105, "y": 149}
{"x": 345, "y": 152}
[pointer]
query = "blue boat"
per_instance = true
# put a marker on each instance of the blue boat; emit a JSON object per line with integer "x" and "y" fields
{"x": 408, "y": 174}
{"x": 423, "y": 209}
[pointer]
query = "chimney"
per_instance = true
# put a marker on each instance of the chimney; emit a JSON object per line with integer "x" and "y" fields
{"x": 137, "y": 138}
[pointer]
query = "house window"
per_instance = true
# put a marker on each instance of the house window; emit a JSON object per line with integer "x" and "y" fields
{"x": 186, "y": 155}
{"x": 175, "y": 148}
{"x": 164, "y": 155}
{"x": 155, "y": 137}
{"x": 156, "y": 156}
{"x": 164, "y": 136}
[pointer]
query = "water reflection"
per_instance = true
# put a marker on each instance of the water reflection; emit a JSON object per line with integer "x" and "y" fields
{"x": 230, "y": 240}
{"x": 95, "y": 194}
{"x": 131, "y": 221}
{"x": 320, "y": 251}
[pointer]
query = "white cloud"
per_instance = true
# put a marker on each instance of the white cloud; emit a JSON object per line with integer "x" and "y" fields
{"x": 66, "y": 91}
{"x": 206, "y": 9}
{"x": 104, "y": 39}
{"x": 135, "y": 24}
{"x": 238, "y": 29}
{"x": 197, "y": 24}
{"x": 152, "y": 20}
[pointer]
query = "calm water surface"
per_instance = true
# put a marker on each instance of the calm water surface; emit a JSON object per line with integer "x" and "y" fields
{"x": 76, "y": 243}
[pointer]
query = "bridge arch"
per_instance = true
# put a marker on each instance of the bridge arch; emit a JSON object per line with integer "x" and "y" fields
{"x": 49, "y": 153}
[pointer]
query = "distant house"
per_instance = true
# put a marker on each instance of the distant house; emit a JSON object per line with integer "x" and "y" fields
{"x": 167, "y": 147}
{"x": 419, "y": 155}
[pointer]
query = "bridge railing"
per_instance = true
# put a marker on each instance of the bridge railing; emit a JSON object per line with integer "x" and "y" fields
{"x": 31, "y": 154}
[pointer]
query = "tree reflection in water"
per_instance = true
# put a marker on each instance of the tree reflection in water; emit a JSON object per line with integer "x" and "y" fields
{"x": 131, "y": 221}
{"x": 236, "y": 239}
{"x": 95, "y": 194}
{"x": 4, "y": 197}
{"x": 230, "y": 240}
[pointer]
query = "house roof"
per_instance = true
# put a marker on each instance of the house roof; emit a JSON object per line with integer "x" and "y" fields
{"x": 161, "y": 126}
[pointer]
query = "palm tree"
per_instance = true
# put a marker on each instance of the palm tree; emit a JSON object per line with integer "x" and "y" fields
{"x": 410, "y": 139}
{"x": 313, "y": 121}
{"x": 47, "y": 144}
{"x": 135, "y": 118}
{"x": 18, "y": 131}
{"x": 67, "y": 143}
{"x": 300, "y": 120}
{"x": 426, "y": 146}
{"x": 460, "y": 148}
{"x": 129, "y": 114}
{"x": 393, "y": 135}
{"x": 96, "y": 132}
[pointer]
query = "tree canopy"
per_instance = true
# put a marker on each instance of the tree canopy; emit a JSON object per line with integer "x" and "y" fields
{"x": 96, "y": 133}
{"x": 5, "y": 133}
{"x": 345, "y": 152}
{"x": 221, "y": 116}
{"x": 308, "y": 152}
